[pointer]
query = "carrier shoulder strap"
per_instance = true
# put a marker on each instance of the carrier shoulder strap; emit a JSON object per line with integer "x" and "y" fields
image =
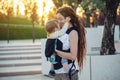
{"x": 73, "y": 63}
{"x": 70, "y": 29}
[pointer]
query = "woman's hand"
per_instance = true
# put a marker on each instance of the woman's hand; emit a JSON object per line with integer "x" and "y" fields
{"x": 58, "y": 52}
{"x": 66, "y": 55}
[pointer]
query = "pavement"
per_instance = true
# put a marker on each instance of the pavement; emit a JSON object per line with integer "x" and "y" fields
{"x": 19, "y": 42}
{"x": 38, "y": 41}
{"x": 27, "y": 77}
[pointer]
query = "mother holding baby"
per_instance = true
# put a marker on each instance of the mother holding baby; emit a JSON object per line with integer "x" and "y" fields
{"x": 75, "y": 40}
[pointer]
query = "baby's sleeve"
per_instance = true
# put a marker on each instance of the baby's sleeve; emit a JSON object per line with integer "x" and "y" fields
{"x": 62, "y": 31}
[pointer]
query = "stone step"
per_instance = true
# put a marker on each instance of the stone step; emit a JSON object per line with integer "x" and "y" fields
{"x": 21, "y": 51}
{"x": 27, "y": 62}
{"x": 19, "y": 42}
{"x": 20, "y": 45}
{"x": 14, "y": 53}
{"x": 19, "y": 48}
{"x": 20, "y": 56}
{"x": 27, "y": 77}
{"x": 20, "y": 70}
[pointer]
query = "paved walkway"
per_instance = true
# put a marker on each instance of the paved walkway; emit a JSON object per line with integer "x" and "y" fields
{"x": 19, "y": 42}
{"x": 26, "y": 77}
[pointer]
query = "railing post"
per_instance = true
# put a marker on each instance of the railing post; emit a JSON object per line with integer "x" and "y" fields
{"x": 8, "y": 31}
{"x": 33, "y": 32}
{"x": 119, "y": 32}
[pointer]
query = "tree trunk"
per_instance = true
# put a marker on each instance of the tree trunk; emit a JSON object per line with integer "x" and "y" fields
{"x": 88, "y": 20}
{"x": 33, "y": 32}
{"x": 108, "y": 46}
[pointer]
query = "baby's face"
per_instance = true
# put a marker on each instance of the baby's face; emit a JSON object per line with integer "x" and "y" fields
{"x": 57, "y": 28}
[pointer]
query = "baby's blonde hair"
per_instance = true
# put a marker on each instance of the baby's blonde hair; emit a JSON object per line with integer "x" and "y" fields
{"x": 51, "y": 25}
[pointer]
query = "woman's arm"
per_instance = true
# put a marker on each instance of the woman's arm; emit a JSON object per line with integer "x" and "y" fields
{"x": 61, "y": 31}
{"x": 73, "y": 47}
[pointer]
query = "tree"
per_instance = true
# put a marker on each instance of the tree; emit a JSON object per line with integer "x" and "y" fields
{"x": 85, "y": 4}
{"x": 43, "y": 16}
{"x": 7, "y": 9}
{"x": 58, "y": 3}
{"x": 109, "y": 8}
{"x": 31, "y": 12}
{"x": 108, "y": 46}
{"x": 34, "y": 18}
{"x": 90, "y": 6}
{"x": 73, "y": 3}
{"x": 52, "y": 14}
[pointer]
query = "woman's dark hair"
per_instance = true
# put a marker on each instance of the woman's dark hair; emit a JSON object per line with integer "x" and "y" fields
{"x": 69, "y": 12}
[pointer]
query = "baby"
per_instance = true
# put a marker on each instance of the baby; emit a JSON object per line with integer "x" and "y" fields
{"x": 54, "y": 31}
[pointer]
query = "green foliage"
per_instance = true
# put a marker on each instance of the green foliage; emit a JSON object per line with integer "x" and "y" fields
{"x": 31, "y": 10}
{"x": 73, "y": 3}
{"x": 7, "y": 8}
{"x": 21, "y": 32}
{"x": 16, "y": 20}
{"x": 58, "y": 3}
{"x": 85, "y": 4}
{"x": 100, "y": 4}
{"x": 93, "y": 5}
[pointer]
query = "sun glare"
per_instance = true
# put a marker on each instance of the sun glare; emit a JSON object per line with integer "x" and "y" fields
{"x": 15, "y": 7}
{"x": 20, "y": 6}
{"x": 49, "y": 5}
{"x": 40, "y": 7}
{"x": 44, "y": 6}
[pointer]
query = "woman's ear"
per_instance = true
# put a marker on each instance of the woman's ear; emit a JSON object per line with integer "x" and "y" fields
{"x": 68, "y": 19}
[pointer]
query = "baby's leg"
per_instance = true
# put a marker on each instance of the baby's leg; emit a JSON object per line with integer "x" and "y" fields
{"x": 52, "y": 68}
{"x": 65, "y": 64}
{"x": 51, "y": 72}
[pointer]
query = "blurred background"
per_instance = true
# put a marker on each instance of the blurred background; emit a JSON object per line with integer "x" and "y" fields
{"x": 25, "y": 19}
{"x": 22, "y": 23}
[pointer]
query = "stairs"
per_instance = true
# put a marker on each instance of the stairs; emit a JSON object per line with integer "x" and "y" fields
{"x": 20, "y": 59}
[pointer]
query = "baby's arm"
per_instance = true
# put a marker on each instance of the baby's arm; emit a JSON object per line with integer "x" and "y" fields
{"x": 61, "y": 31}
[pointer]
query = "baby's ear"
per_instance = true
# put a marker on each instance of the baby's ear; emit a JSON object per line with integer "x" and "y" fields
{"x": 68, "y": 19}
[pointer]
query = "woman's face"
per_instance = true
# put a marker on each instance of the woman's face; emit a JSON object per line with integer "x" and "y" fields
{"x": 61, "y": 19}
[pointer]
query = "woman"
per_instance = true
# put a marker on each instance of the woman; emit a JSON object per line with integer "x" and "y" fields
{"x": 75, "y": 40}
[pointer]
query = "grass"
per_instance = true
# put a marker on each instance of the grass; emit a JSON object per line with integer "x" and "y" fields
{"x": 20, "y": 32}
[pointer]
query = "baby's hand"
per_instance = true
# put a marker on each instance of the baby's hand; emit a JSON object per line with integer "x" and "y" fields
{"x": 67, "y": 19}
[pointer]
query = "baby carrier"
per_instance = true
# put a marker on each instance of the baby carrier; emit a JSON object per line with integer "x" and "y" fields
{"x": 50, "y": 47}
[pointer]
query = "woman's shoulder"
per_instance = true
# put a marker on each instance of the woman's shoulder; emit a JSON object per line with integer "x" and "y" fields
{"x": 73, "y": 34}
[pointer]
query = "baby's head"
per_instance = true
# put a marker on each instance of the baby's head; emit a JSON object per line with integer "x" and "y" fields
{"x": 51, "y": 26}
